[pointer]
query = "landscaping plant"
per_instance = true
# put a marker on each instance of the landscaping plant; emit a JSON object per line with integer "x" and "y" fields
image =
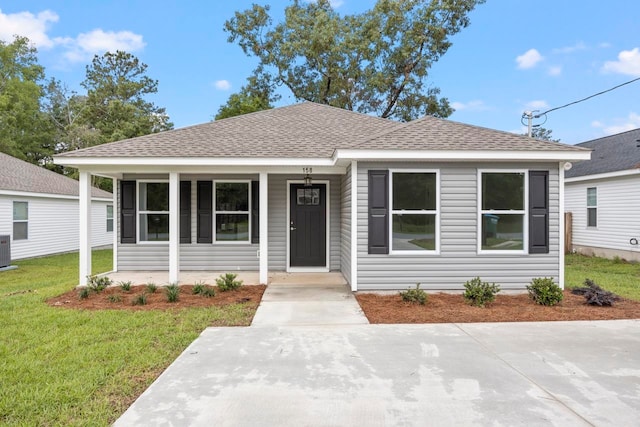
{"x": 172, "y": 291}
{"x": 416, "y": 295}
{"x": 125, "y": 286}
{"x": 152, "y": 287}
{"x": 544, "y": 291}
{"x": 228, "y": 282}
{"x": 83, "y": 293}
{"x": 98, "y": 284}
{"x": 202, "y": 289}
{"x": 595, "y": 295}
{"x": 479, "y": 293}
{"x": 140, "y": 299}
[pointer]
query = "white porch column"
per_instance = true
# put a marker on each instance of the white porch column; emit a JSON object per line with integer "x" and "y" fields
{"x": 85, "y": 226}
{"x": 174, "y": 227}
{"x": 116, "y": 222}
{"x": 354, "y": 225}
{"x": 562, "y": 225}
{"x": 264, "y": 223}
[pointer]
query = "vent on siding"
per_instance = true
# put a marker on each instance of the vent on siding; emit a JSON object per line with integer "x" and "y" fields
{"x": 5, "y": 251}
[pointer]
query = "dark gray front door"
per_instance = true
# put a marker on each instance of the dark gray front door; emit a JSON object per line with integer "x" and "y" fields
{"x": 308, "y": 225}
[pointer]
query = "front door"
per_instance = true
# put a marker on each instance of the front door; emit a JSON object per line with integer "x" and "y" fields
{"x": 308, "y": 226}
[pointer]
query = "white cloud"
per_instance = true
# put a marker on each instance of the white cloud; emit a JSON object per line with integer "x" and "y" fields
{"x": 537, "y": 104}
{"x": 474, "y": 105}
{"x": 26, "y": 24}
{"x": 570, "y": 49}
{"x": 604, "y": 45}
{"x": 529, "y": 59}
{"x": 555, "y": 70}
{"x": 222, "y": 85}
{"x": 597, "y": 124}
{"x": 98, "y": 41}
{"x": 628, "y": 63}
{"x": 632, "y": 121}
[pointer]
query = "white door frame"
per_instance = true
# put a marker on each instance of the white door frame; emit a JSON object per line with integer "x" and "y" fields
{"x": 326, "y": 268}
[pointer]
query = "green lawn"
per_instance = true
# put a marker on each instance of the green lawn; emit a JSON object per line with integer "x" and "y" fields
{"x": 619, "y": 277}
{"x": 75, "y": 367}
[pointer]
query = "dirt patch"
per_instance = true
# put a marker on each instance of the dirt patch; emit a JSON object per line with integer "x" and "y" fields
{"x": 114, "y": 298}
{"x": 451, "y": 308}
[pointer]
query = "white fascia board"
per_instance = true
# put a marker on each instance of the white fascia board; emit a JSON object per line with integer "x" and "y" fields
{"x": 606, "y": 175}
{"x": 118, "y": 172}
{"x": 462, "y": 155}
{"x": 190, "y": 161}
{"x": 48, "y": 195}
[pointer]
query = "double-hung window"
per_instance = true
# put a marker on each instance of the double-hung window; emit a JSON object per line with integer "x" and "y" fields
{"x": 232, "y": 211}
{"x": 109, "y": 218}
{"x": 592, "y": 207}
{"x": 502, "y": 215}
{"x": 20, "y": 220}
{"x": 414, "y": 211}
{"x": 153, "y": 211}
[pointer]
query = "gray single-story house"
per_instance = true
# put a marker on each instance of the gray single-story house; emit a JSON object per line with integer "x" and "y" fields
{"x": 39, "y": 211}
{"x": 313, "y": 188}
{"x": 603, "y": 196}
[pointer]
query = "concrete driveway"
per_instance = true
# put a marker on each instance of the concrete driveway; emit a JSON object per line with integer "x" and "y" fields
{"x": 498, "y": 374}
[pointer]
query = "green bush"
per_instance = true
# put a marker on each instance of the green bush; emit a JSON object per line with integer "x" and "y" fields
{"x": 83, "y": 292}
{"x": 416, "y": 296}
{"x": 98, "y": 284}
{"x": 172, "y": 291}
{"x": 114, "y": 298}
{"x": 228, "y": 282}
{"x": 544, "y": 291}
{"x": 125, "y": 286}
{"x": 479, "y": 293}
{"x": 152, "y": 287}
{"x": 204, "y": 290}
{"x": 140, "y": 299}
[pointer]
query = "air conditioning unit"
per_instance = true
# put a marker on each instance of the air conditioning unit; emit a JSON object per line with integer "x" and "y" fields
{"x": 5, "y": 250}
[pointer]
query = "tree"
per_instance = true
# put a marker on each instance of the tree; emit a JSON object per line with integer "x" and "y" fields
{"x": 376, "y": 62}
{"x": 256, "y": 95}
{"x": 116, "y": 84}
{"x": 24, "y": 130}
{"x": 541, "y": 133}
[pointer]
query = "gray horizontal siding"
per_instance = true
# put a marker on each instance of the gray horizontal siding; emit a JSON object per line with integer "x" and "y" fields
{"x": 458, "y": 260}
{"x": 345, "y": 225}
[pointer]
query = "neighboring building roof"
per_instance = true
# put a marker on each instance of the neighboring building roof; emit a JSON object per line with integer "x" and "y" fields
{"x": 310, "y": 130}
{"x": 610, "y": 154}
{"x": 18, "y": 175}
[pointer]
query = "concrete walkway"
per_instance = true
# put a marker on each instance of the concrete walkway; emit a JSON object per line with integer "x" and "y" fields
{"x": 491, "y": 374}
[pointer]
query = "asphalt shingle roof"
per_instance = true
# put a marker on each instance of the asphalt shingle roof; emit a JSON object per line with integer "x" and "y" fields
{"x": 18, "y": 175}
{"x": 610, "y": 154}
{"x": 310, "y": 130}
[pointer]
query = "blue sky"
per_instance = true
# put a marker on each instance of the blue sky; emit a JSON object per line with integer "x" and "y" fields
{"x": 516, "y": 55}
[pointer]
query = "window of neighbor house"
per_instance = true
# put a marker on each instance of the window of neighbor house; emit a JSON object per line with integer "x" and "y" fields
{"x": 502, "y": 216}
{"x": 592, "y": 207}
{"x": 109, "y": 218}
{"x": 153, "y": 211}
{"x": 232, "y": 211}
{"x": 20, "y": 220}
{"x": 414, "y": 211}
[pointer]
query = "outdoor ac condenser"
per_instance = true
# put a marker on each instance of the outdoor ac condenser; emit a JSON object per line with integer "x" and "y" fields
{"x": 5, "y": 250}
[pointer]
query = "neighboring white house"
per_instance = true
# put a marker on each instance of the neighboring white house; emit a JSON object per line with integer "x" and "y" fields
{"x": 603, "y": 196}
{"x": 39, "y": 209}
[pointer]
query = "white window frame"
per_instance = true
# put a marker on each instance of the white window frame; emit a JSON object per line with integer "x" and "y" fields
{"x": 109, "y": 218}
{"x": 392, "y": 211}
{"x": 592, "y": 207}
{"x": 524, "y": 212}
{"x": 140, "y": 212}
{"x": 26, "y": 221}
{"x": 216, "y": 212}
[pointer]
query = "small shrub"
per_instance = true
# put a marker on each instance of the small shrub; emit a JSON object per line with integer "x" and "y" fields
{"x": 203, "y": 290}
{"x": 479, "y": 293}
{"x": 416, "y": 296}
{"x": 140, "y": 299}
{"x": 228, "y": 282}
{"x": 152, "y": 287}
{"x": 198, "y": 288}
{"x": 172, "y": 291}
{"x": 83, "y": 293}
{"x": 595, "y": 295}
{"x": 114, "y": 298}
{"x": 98, "y": 284}
{"x": 125, "y": 286}
{"x": 544, "y": 291}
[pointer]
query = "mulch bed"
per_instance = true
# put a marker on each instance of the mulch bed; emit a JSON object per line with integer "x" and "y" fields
{"x": 248, "y": 295}
{"x": 452, "y": 308}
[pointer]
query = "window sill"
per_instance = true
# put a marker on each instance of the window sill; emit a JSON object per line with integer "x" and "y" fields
{"x": 414, "y": 253}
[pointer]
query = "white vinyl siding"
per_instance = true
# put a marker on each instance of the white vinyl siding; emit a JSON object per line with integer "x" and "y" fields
{"x": 345, "y": 225}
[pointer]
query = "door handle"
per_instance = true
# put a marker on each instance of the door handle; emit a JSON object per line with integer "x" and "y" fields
{"x": 292, "y": 227}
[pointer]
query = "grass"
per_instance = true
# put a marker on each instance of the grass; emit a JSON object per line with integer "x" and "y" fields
{"x": 75, "y": 367}
{"x": 616, "y": 276}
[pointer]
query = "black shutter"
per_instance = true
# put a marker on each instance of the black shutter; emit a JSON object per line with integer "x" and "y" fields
{"x": 128, "y": 211}
{"x": 539, "y": 212}
{"x": 255, "y": 211}
{"x": 205, "y": 211}
{"x": 378, "y": 212}
{"x": 185, "y": 211}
